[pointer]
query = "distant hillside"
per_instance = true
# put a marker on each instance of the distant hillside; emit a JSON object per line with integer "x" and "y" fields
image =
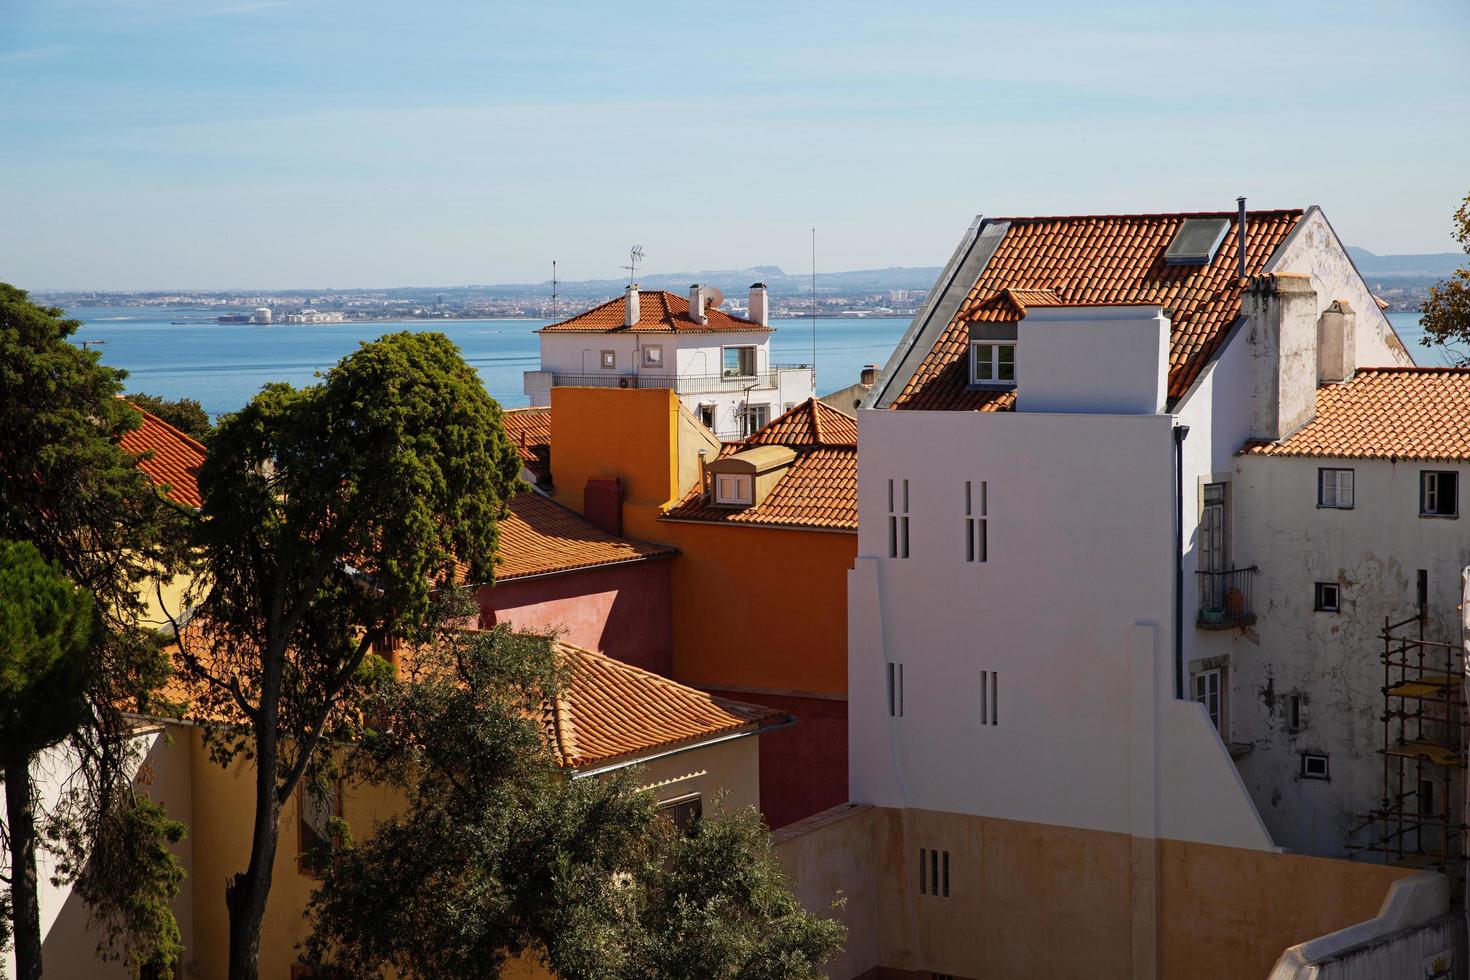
{"x": 1436, "y": 265}
{"x": 735, "y": 282}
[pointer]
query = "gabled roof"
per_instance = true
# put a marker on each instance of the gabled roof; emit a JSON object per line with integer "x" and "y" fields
{"x": 172, "y": 458}
{"x": 530, "y": 430}
{"x": 659, "y": 311}
{"x": 1402, "y": 413}
{"x": 612, "y": 711}
{"x": 1087, "y": 260}
{"x": 811, "y": 423}
{"x": 818, "y": 491}
{"x": 541, "y": 537}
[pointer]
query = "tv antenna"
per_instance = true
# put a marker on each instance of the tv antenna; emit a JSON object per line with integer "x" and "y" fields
{"x": 635, "y": 255}
{"x": 554, "y": 315}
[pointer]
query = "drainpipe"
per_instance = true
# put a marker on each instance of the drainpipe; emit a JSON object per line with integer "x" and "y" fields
{"x": 1180, "y": 431}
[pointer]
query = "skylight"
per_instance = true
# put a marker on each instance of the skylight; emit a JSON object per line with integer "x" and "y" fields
{"x": 1196, "y": 242}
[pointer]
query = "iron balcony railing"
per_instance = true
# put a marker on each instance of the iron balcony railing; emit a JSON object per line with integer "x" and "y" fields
{"x": 698, "y": 384}
{"x": 1226, "y": 598}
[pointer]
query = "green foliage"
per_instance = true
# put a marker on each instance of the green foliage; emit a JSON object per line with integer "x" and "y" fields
{"x": 184, "y": 414}
{"x": 1446, "y": 313}
{"x": 500, "y": 854}
{"x": 48, "y": 628}
{"x": 330, "y": 514}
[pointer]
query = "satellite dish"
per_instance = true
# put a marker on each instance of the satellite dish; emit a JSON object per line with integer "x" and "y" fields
{"x": 713, "y": 298}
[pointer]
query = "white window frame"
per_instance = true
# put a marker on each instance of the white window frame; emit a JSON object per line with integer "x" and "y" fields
{"x": 653, "y": 355}
{"x": 741, "y": 485}
{"x": 1336, "y": 488}
{"x": 752, "y": 412}
{"x": 609, "y": 360}
{"x": 1319, "y": 603}
{"x": 1431, "y": 489}
{"x": 755, "y": 365}
{"x": 1208, "y": 684}
{"x": 992, "y": 364}
{"x": 1326, "y": 766}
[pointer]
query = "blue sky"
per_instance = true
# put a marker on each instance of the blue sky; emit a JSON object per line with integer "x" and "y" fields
{"x": 152, "y": 144}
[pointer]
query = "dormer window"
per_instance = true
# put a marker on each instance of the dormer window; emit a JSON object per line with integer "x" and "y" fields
{"x": 993, "y": 363}
{"x": 734, "y": 489}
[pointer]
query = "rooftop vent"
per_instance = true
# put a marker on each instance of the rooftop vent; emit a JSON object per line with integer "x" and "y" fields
{"x": 1196, "y": 242}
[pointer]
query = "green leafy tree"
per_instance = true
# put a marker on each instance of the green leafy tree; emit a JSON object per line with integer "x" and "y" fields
{"x": 499, "y": 854}
{"x": 330, "y": 514}
{"x": 48, "y": 628}
{"x": 67, "y": 489}
{"x": 184, "y": 414}
{"x": 1446, "y": 313}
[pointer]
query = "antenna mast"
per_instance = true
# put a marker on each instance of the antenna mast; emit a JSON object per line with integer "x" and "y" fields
{"x": 635, "y": 255}
{"x": 554, "y": 315}
{"x": 814, "y": 311}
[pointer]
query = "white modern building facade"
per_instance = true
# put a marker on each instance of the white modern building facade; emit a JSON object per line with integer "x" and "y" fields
{"x": 719, "y": 365}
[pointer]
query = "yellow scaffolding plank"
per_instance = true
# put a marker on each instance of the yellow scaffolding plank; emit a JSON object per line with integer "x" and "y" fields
{"x": 1439, "y": 754}
{"x": 1428, "y": 686}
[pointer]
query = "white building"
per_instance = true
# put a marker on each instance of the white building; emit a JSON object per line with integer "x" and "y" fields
{"x": 719, "y": 365}
{"x": 1049, "y": 474}
{"x": 262, "y": 314}
{"x": 314, "y": 316}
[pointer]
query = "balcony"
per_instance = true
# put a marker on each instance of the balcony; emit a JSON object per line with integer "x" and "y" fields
{"x": 1226, "y": 599}
{"x": 686, "y": 384}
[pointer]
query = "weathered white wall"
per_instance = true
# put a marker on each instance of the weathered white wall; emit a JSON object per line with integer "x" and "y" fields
{"x": 1093, "y": 359}
{"x": 1314, "y": 249}
{"x": 1329, "y": 660}
{"x": 1080, "y": 546}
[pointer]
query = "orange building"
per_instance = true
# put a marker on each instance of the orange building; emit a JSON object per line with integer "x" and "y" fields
{"x": 760, "y": 585}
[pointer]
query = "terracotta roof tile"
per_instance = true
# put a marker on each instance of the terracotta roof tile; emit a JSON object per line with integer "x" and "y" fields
{"x": 541, "y": 537}
{"x": 1386, "y": 413}
{"x": 1098, "y": 259}
{"x": 658, "y": 312}
{"x": 171, "y": 458}
{"x": 530, "y": 430}
{"x": 612, "y": 711}
{"x": 818, "y": 490}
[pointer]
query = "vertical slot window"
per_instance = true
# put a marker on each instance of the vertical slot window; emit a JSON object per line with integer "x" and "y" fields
{"x": 895, "y": 690}
{"x": 989, "y": 697}
{"x": 933, "y": 872}
{"x": 976, "y": 537}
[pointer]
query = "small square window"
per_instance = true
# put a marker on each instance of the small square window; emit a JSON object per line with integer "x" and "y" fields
{"x": 609, "y": 360}
{"x": 1314, "y": 766}
{"x": 653, "y": 355}
{"x": 738, "y": 362}
{"x": 734, "y": 489}
{"x": 682, "y": 812}
{"x": 1328, "y": 597}
{"x": 993, "y": 363}
{"x": 1439, "y": 493}
{"x": 1335, "y": 488}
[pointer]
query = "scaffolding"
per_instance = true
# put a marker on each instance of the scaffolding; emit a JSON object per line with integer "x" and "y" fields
{"x": 1419, "y": 823}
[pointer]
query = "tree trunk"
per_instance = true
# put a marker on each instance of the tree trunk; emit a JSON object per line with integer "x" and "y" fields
{"x": 25, "y": 911}
{"x": 246, "y": 893}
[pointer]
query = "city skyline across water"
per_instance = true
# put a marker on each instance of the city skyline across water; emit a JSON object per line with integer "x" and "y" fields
{"x": 223, "y": 365}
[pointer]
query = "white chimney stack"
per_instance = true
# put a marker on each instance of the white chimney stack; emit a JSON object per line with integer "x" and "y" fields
{"x": 760, "y": 308}
{"x": 630, "y": 303}
{"x": 696, "y": 304}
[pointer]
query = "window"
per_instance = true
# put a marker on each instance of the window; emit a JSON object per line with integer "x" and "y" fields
{"x": 739, "y": 362}
{"x": 1335, "y": 488}
{"x": 609, "y": 360}
{"x": 707, "y": 416}
{"x": 1426, "y": 797}
{"x": 653, "y": 355}
{"x": 1328, "y": 598}
{"x": 734, "y": 489}
{"x": 993, "y": 363}
{"x": 318, "y": 808}
{"x": 753, "y": 418}
{"x": 989, "y": 698}
{"x": 1207, "y": 693}
{"x": 976, "y": 538}
{"x": 898, "y": 520}
{"x": 682, "y": 812}
{"x": 895, "y": 690}
{"x": 1439, "y": 493}
{"x": 1294, "y": 717}
{"x": 933, "y": 872}
{"x": 1314, "y": 766}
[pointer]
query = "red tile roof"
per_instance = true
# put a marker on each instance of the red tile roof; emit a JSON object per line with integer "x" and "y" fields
{"x": 541, "y": 537}
{"x": 611, "y": 711}
{"x": 1098, "y": 259}
{"x": 530, "y": 430}
{"x": 819, "y": 489}
{"x": 1386, "y": 413}
{"x": 658, "y": 312}
{"x": 171, "y": 458}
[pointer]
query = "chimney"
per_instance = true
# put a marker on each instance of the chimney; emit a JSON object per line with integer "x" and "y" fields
{"x": 696, "y": 304}
{"x": 760, "y": 307}
{"x": 1337, "y": 343}
{"x": 602, "y": 503}
{"x": 869, "y": 375}
{"x": 1282, "y": 312}
{"x": 1240, "y": 238}
{"x": 630, "y": 305}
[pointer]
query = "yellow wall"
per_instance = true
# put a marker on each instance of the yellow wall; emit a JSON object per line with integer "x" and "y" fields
{"x": 628, "y": 433}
